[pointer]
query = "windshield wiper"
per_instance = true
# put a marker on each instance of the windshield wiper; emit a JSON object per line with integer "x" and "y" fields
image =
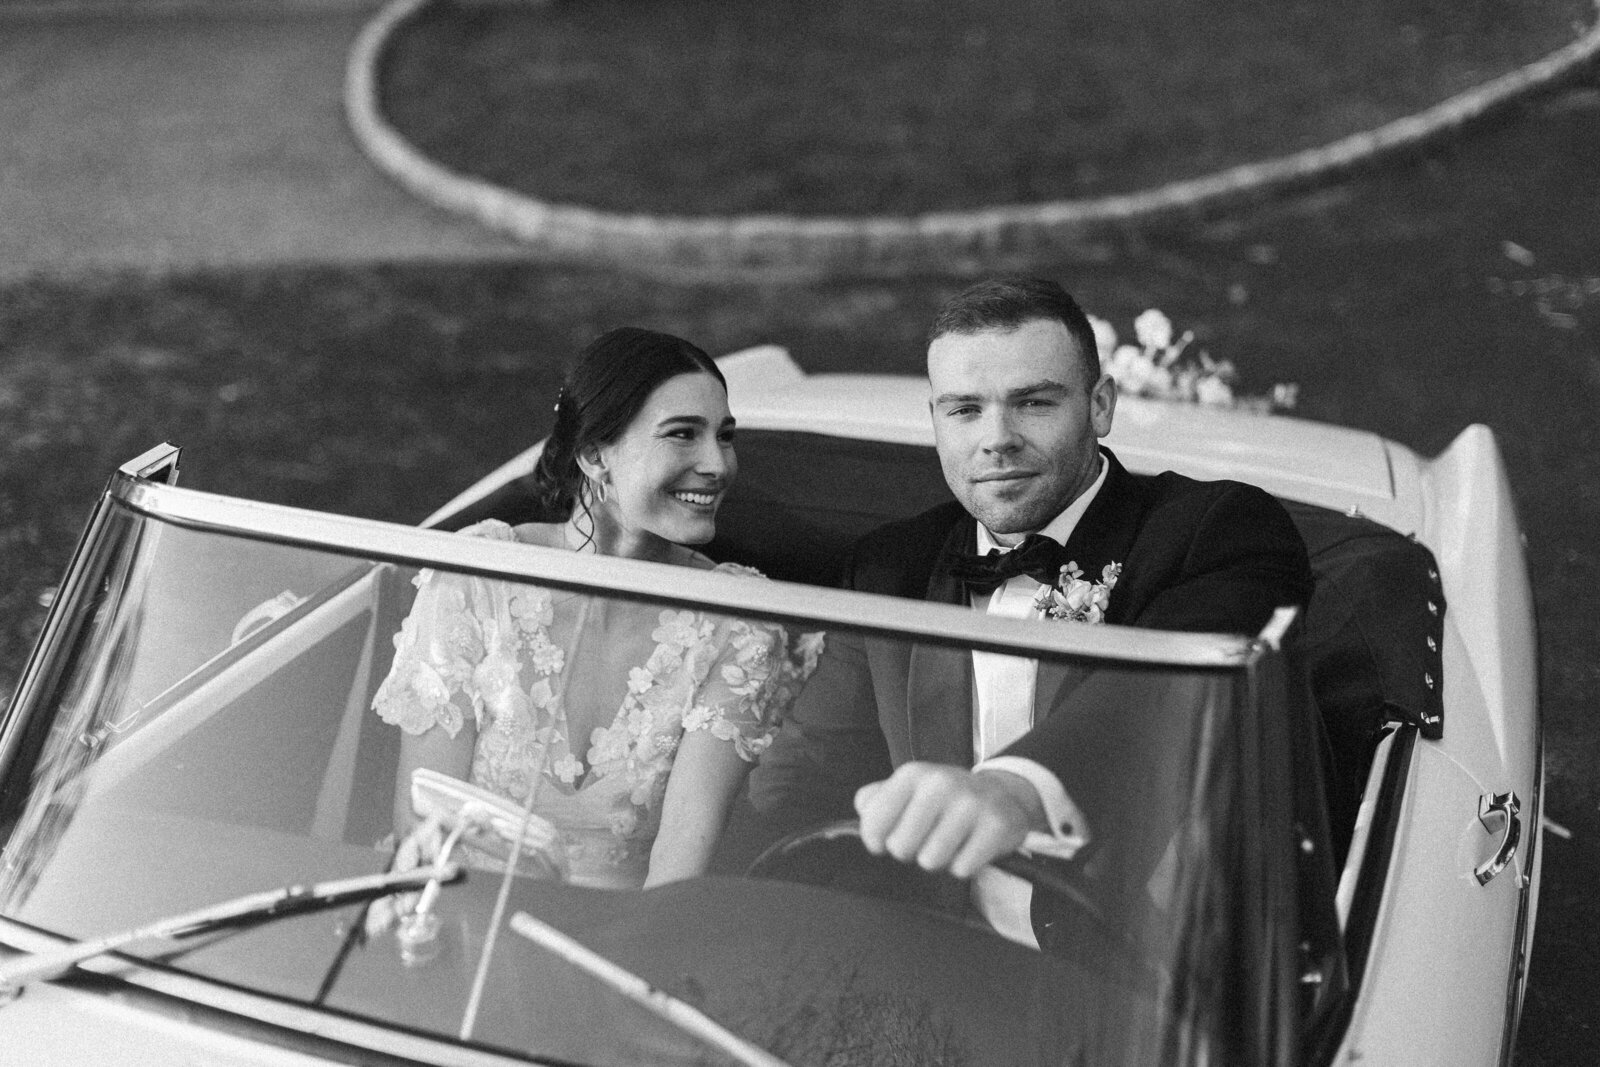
{"x": 241, "y": 911}
{"x": 654, "y": 999}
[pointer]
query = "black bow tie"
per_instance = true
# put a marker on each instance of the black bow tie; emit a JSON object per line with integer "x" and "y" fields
{"x": 1037, "y": 556}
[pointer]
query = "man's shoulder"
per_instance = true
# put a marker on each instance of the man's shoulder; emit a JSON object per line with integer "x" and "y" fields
{"x": 898, "y": 557}
{"x": 1171, "y": 491}
{"x": 924, "y": 533}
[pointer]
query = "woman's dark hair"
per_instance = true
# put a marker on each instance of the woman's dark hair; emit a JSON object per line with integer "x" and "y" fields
{"x": 605, "y": 389}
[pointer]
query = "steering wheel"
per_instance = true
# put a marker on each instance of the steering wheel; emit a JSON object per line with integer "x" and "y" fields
{"x": 831, "y": 855}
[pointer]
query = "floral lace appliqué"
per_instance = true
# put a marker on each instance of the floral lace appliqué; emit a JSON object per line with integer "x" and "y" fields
{"x": 486, "y": 646}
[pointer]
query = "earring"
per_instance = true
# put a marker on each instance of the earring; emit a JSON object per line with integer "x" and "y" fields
{"x": 597, "y": 489}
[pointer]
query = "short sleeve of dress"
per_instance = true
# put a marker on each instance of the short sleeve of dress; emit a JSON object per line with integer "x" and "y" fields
{"x": 430, "y": 682}
{"x": 752, "y": 673}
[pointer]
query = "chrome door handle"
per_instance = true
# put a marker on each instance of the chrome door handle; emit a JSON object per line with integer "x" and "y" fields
{"x": 1505, "y": 805}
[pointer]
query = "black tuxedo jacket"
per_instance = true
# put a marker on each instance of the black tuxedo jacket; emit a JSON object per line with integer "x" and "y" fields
{"x": 1198, "y": 556}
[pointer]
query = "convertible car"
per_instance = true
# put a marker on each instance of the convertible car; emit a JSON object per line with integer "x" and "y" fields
{"x": 1334, "y": 845}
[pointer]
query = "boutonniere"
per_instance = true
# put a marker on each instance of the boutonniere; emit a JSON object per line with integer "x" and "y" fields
{"x": 1075, "y": 599}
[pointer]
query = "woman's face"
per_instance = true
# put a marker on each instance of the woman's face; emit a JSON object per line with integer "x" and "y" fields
{"x": 666, "y": 475}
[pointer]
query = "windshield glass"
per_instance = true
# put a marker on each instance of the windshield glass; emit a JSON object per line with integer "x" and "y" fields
{"x": 222, "y": 715}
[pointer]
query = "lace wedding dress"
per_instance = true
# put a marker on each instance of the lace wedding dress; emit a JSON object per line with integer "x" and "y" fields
{"x": 525, "y": 662}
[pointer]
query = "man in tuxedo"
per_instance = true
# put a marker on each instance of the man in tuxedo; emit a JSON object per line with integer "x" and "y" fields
{"x": 942, "y": 753}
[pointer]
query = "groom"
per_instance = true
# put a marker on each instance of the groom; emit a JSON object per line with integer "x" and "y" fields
{"x": 1019, "y": 404}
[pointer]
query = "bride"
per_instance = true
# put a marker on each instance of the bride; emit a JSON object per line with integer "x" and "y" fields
{"x": 627, "y": 727}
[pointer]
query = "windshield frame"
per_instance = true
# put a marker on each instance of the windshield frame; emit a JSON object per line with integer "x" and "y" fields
{"x": 378, "y": 542}
{"x": 789, "y": 602}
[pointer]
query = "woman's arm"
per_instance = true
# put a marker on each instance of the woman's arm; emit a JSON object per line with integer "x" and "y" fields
{"x": 705, "y": 777}
{"x": 436, "y": 750}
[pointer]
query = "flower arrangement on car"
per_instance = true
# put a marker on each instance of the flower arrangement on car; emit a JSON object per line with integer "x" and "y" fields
{"x": 1165, "y": 366}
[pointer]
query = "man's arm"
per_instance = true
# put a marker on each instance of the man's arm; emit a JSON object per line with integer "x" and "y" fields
{"x": 829, "y": 745}
{"x": 1242, "y": 560}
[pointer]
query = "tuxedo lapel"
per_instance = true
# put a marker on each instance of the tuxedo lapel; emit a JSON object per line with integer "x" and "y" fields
{"x": 939, "y": 679}
{"x": 1105, "y": 534}
{"x": 1108, "y": 528}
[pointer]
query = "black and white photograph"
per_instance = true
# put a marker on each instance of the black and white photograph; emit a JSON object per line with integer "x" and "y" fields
{"x": 800, "y": 533}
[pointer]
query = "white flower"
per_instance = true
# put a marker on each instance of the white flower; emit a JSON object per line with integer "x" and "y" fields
{"x": 1153, "y": 329}
{"x": 624, "y": 821}
{"x": 638, "y": 721}
{"x": 531, "y": 609}
{"x": 677, "y": 628}
{"x": 1078, "y": 595}
{"x": 1105, "y": 337}
{"x": 1135, "y": 372}
{"x": 1075, "y": 599}
{"x": 744, "y": 680}
{"x": 1167, "y": 367}
{"x": 696, "y": 718}
{"x": 567, "y": 768}
{"x": 1213, "y": 390}
{"x": 647, "y": 748}
{"x": 809, "y": 646}
{"x": 607, "y": 745}
{"x": 750, "y": 748}
{"x": 547, "y": 658}
{"x": 639, "y": 679}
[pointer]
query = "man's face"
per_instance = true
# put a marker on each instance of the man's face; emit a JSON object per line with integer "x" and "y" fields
{"x": 1016, "y": 423}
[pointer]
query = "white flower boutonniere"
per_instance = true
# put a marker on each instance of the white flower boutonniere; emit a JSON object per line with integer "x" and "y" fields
{"x": 1074, "y": 599}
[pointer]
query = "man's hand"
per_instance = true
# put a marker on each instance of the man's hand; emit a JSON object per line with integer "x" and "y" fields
{"x": 946, "y": 818}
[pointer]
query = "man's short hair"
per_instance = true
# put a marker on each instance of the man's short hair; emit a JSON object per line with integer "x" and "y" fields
{"x": 1005, "y": 303}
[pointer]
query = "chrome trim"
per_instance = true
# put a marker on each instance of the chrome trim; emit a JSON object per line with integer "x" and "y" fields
{"x": 1273, "y": 632}
{"x": 68, "y": 611}
{"x": 1522, "y": 951}
{"x": 652, "y": 582}
{"x": 147, "y": 465}
{"x": 242, "y": 1012}
{"x": 1390, "y": 797}
{"x": 1356, "y": 859}
{"x": 1506, "y": 806}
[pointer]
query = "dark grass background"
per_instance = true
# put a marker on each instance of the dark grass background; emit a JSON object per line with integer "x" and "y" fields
{"x": 903, "y": 106}
{"x": 1395, "y": 301}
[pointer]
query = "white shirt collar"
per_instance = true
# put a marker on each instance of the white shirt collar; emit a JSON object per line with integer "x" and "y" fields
{"x": 1059, "y": 528}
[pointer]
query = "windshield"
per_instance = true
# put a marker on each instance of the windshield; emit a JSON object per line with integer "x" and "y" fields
{"x": 223, "y": 714}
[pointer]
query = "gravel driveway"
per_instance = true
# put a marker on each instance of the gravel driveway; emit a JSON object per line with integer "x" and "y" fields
{"x": 173, "y": 137}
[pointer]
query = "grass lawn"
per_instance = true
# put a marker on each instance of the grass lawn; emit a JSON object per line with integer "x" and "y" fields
{"x": 902, "y": 106}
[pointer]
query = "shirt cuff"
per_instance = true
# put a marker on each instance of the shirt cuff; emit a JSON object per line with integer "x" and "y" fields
{"x": 1069, "y": 829}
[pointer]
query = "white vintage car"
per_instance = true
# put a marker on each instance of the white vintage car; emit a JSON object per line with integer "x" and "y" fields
{"x": 194, "y": 790}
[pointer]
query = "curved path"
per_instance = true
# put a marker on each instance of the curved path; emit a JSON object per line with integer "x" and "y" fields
{"x": 989, "y": 239}
{"x": 169, "y": 136}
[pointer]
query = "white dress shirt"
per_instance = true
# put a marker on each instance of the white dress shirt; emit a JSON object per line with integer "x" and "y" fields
{"x": 1004, "y": 688}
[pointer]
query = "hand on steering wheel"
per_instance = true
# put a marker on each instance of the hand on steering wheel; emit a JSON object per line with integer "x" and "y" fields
{"x": 812, "y": 857}
{"x": 831, "y": 855}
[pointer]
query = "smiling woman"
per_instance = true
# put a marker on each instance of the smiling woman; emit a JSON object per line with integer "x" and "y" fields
{"x": 629, "y": 728}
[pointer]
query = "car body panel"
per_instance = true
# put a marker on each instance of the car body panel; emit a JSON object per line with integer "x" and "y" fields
{"x": 1435, "y": 983}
